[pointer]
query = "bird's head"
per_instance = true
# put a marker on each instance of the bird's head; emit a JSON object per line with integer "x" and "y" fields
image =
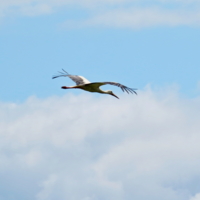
{"x": 111, "y": 93}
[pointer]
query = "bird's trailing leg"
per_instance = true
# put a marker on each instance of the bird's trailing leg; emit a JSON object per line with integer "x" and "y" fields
{"x": 65, "y": 87}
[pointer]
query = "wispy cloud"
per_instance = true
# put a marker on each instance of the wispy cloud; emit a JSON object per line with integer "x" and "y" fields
{"x": 113, "y": 13}
{"x": 142, "y": 17}
{"x": 82, "y": 147}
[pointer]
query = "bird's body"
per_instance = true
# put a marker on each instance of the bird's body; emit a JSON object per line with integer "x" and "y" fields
{"x": 91, "y": 87}
{"x": 84, "y": 84}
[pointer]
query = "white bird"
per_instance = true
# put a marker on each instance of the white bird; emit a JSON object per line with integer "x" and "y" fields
{"x": 84, "y": 84}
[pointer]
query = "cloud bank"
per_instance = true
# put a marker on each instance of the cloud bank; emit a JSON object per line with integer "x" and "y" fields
{"x": 111, "y": 13}
{"x": 83, "y": 147}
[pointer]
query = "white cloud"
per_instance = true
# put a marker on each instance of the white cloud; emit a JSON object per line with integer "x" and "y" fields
{"x": 36, "y": 9}
{"x": 142, "y": 17}
{"x": 83, "y": 147}
{"x": 196, "y": 197}
{"x": 113, "y": 13}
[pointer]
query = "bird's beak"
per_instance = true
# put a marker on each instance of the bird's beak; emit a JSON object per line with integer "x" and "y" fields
{"x": 115, "y": 95}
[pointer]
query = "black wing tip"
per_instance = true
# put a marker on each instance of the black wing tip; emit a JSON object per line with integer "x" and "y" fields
{"x": 65, "y": 71}
{"x": 61, "y": 74}
{"x": 127, "y": 89}
{"x": 133, "y": 90}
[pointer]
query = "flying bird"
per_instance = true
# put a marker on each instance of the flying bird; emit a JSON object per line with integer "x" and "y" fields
{"x": 84, "y": 84}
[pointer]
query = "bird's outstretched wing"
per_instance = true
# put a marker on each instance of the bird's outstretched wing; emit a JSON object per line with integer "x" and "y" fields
{"x": 123, "y": 87}
{"x": 79, "y": 80}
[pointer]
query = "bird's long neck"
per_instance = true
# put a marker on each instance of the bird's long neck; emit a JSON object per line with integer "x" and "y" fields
{"x": 104, "y": 92}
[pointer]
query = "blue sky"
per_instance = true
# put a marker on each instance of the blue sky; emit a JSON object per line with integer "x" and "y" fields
{"x": 58, "y": 144}
{"x": 35, "y": 46}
